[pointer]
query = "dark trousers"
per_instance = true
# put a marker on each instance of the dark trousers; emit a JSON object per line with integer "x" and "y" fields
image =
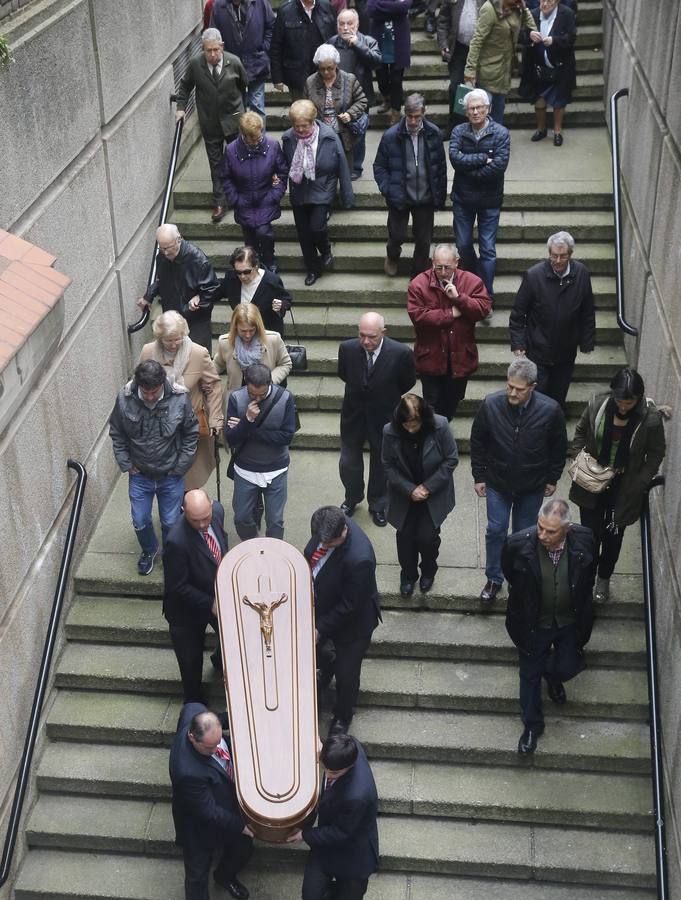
{"x": 560, "y": 664}
{"x": 457, "y": 64}
{"x": 608, "y": 543}
{"x": 554, "y": 381}
{"x": 261, "y": 238}
{"x": 418, "y": 537}
{"x": 311, "y": 224}
{"x": 347, "y": 667}
{"x": 188, "y": 641}
{"x": 215, "y": 148}
{"x": 197, "y": 862}
{"x": 444, "y": 393}
{"x": 320, "y": 885}
{"x": 422, "y": 220}
{"x": 351, "y": 470}
{"x": 389, "y": 79}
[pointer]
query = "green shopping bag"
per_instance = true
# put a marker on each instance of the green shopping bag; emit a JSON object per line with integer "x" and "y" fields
{"x": 458, "y": 97}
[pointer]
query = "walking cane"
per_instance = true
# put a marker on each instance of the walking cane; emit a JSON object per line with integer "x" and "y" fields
{"x": 216, "y": 453}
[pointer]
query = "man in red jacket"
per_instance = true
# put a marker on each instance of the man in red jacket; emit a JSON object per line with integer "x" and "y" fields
{"x": 444, "y": 304}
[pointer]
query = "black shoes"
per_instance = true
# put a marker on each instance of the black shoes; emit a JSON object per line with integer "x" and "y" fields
{"x": 528, "y": 740}
{"x": 327, "y": 260}
{"x": 339, "y": 726}
{"x": 234, "y": 887}
{"x": 558, "y": 140}
{"x": 310, "y": 278}
{"x": 538, "y": 135}
{"x": 489, "y": 593}
{"x": 348, "y": 508}
{"x": 406, "y": 588}
{"x": 145, "y": 563}
{"x": 425, "y": 583}
{"x": 556, "y": 692}
{"x": 379, "y": 518}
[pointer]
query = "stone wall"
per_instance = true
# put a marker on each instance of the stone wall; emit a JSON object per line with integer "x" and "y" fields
{"x": 643, "y": 53}
{"x": 85, "y": 139}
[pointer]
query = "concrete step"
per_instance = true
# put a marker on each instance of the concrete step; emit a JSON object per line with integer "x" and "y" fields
{"x": 404, "y": 633}
{"x": 430, "y": 684}
{"x": 590, "y": 226}
{"x": 430, "y": 65}
{"x": 59, "y": 875}
{"x": 588, "y": 37}
{"x": 425, "y": 845}
{"x": 446, "y": 790}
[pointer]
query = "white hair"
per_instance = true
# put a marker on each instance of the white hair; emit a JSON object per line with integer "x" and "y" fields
{"x": 556, "y": 506}
{"x": 477, "y": 94}
{"x": 211, "y": 34}
{"x": 562, "y": 237}
{"x": 326, "y": 53}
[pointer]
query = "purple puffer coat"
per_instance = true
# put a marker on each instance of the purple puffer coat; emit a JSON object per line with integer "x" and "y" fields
{"x": 247, "y": 176}
{"x": 382, "y": 11}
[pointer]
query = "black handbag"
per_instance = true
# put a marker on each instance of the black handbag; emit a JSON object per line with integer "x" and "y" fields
{"x": 546, "y": 74}
{"x": 296, "y": 351}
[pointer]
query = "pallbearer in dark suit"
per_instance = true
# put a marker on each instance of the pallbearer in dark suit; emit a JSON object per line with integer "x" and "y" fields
{"x": 205, "y": 807}
{"x": 376, "y": 371}
{"x": 193, "y": 551}
{"x": 344, "y": 843}
{"x": 345, "y": 601}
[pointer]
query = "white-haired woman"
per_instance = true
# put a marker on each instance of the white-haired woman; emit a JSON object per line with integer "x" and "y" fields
{"x": 189, "y": 366}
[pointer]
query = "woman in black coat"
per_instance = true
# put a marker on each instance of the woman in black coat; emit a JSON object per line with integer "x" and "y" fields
{"x": 248, "y": 281}
{"x": 419, "y": 456}
{"x": 549, "y": 71}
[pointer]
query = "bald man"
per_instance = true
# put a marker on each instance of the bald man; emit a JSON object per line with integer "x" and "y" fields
{"x": 193, "y": 551}
{"x": 377, "y": 371}
{"x": 185, "y": 281}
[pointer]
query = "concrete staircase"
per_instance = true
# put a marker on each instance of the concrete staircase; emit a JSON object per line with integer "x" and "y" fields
{"x": 462, "y": 816}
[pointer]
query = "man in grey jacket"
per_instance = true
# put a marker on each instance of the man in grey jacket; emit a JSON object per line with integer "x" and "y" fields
{"x": 154, "y": 433}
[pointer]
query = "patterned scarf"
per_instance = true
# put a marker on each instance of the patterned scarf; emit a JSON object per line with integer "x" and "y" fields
{"x": 174, "y": 365}
{"x": 303, "y": 162}
{"x": 247, "y": 354}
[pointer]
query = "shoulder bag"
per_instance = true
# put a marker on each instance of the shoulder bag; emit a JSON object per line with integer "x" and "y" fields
{"x": 296, "y": 351}
{"x": 588, "y": 473}
{"x": 357, "y": 126}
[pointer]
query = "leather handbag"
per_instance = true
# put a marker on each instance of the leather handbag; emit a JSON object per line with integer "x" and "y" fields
{"x": 589, "y": 474}
{"x": 358, "y": 126}
{"x": 204, "y": 430}
{"x": 296, "y": 351}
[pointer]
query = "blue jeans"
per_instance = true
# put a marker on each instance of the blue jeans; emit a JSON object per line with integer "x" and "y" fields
{"x": 244, "y": 502}
{"x": 488, "y": 222}
{"x": 358, "y": 154}
{"x": 255, "y": 97}
{"x": 169, "y": 491}
{"x": 499, "y": 506}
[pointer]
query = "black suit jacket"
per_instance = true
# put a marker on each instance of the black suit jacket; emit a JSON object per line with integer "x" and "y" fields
{"x": 218, "y": 106}
{"x": 189, "y": 571}
{"x": 270, "y": 288}
{"x": 369, "y": 400}
{"x": 346, "y": 596}
{"x": 345, "y": 840}
{"x": 205, "y": 808}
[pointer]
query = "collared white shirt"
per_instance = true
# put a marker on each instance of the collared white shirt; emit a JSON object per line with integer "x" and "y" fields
{"x": 375, "y": 353}
{"x": 545, "y": 26}
{"x": 320, "y": 562}
{"x": 216, "y": 69}
{"x": 219, "y": 759}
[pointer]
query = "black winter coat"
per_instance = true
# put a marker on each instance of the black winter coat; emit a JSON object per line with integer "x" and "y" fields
{"x": 295, "y": 39}
{"x": 180, "y": 279}
{"x": 390, "y": 165}
{"x": 552, "y": 316}
{"x": 331, "y": 167}
{"x": 561, "y": 55}
{"x": 521, "y": 568}
{"x": 514, "y": 454}
{"x": 270, "y": 288}
{"x": 478, "y": 183}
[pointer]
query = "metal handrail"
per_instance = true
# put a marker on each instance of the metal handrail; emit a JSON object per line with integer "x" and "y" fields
{"x": 653, "y": 689}
{"x": 167, "y": 193}
{"x": 617, "y": 199}
{"x": 43, "y": 675}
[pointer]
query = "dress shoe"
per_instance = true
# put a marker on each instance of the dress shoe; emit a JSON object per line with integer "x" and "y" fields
{"x": 310, "y": 278}
{"x": 390, "y": 267}
{"x": 406, "y": 588}
{"x": 556, "y": 692}
{"x": 379, "y": 518}
{"x": 234, "y": 887}
{"x": 339, "y": 726}
{"x": 218, "y": 214}
{"x": 528, "y": 740}
{"x": 558, "y": 140}
{"x": 426, "y": 583}
{"x": 489, "y": 593}
{"x": 602, "y": 590}
{"x": 538, "y": 135}
{"x": 327, "y": 260}
{"x": 348, "y": 508}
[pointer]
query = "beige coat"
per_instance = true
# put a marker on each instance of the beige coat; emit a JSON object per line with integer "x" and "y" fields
{"x": 275, "y": 357}
{"x": 199, "y": 368}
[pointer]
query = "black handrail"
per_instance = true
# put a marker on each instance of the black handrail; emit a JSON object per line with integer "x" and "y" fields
{"x": 655, "y": 723}
{"x": 617, "y": 199}
{"x": 43, "y": 674}
{"x": 167, "y": 193}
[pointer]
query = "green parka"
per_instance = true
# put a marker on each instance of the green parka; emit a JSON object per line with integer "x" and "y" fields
{"x": 490, "y": 57}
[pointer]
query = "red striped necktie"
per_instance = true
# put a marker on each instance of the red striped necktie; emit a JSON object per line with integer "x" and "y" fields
{"x": 317, "y": 555}
{"x": 224, "y": 755}
{"x": 213, "y": 546}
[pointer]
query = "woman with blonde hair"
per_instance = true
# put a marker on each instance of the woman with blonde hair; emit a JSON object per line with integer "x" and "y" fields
{"x": 189, "y": 367}
{"x": 246, "y": 343}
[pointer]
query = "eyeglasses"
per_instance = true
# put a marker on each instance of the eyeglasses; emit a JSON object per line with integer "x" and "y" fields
{"x": 240, "y": 272}
{"x": 447, "y": 268}
{"x": 559, "y": 256}
{"x": 476, "y": 109}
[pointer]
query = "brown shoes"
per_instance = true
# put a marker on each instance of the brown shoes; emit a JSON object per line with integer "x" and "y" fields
{"x": 218, "y": 214}
{"x": 390, "y": 267}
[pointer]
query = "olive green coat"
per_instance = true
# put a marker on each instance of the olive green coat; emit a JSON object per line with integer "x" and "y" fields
{"x": 493, "y": 47}
{"x": 646, "y": 452}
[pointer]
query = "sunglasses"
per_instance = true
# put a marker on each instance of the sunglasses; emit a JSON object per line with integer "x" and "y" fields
{"x": 243, "y": 272}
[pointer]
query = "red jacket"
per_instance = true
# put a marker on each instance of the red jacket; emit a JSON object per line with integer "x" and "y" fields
{"x": 439, "y": 334}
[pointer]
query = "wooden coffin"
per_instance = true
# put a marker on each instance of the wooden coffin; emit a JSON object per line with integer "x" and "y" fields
{"x": 266, "y": 615}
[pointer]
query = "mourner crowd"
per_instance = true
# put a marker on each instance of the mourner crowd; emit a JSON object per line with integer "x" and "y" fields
{"x": 185, "y": 394}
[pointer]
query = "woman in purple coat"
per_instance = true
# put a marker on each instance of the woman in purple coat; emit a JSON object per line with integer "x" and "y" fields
{"x": 390, "y": 27}
{"x": 254, "y": 174}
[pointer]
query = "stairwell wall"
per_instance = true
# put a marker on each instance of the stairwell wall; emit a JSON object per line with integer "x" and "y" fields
{"x": 85, "y": 141}
{"x": 643, "y": 53}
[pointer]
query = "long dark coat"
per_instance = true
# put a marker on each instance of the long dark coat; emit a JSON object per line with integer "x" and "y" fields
{"x": 561, "y": 54}
{"x": 396, "y": 11}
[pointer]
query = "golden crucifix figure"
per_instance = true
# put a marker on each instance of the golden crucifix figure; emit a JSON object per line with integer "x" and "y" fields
{"x": 265, "y": 611}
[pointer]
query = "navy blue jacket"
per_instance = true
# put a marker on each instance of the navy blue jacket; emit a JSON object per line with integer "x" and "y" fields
{"x": 264, "y": 447}
{"x": 477, "y": 182}
{"x": 390, "y": 165}
{"x": 252, "y": 45}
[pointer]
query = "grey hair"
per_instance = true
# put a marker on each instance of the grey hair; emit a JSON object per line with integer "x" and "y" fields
{"x": 447, "y": 248}
{"x": 211, "y": 34}
{"x": 172, "y": 230}
{"x": 556, "y": 506}
{"x": 524, "y": 369}
{"x": 477, "y": 94}
{"x": 353, "y": 13}
{"x": 562, "y": 237}
{"x": 414, "y": 102}
{"x": 326, "y": 53}
{"x": 202, "y": 723}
